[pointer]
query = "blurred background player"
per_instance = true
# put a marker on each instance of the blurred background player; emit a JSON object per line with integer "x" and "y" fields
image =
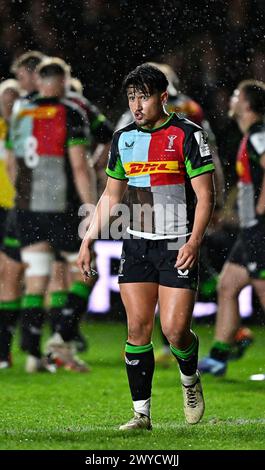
{"x": 246, "y": 262}
{"x": 101, "y": 131}
{"x": 9, "y": 293}
{"x": 100, "y": 127}
{"x": 9, "y": 92}
{"x": 24, "y": 68}
{"x": 49, "y": 138}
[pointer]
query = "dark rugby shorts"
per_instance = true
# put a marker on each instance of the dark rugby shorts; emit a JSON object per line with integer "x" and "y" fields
{"x": 60, "y": 230}
{"x": 249, "y": 250}
{"x": 145, "y": 260}
{"x": 10, "y": 244}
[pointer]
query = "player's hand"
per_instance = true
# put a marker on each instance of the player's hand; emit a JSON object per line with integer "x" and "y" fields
{"x": 187, "y": 256}
{"x": 84, "y": 259}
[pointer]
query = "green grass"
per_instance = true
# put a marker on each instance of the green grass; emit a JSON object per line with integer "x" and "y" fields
{"x": 68, "y": 410}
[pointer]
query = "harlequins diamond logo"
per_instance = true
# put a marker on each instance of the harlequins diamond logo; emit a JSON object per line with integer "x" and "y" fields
{"x": 120, "y": 272}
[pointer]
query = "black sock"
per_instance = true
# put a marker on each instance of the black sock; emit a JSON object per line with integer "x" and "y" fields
{"x": 75, "y": 306}
{"x": 54, "y": 315}
{"x": 32, "y": 321}
{"x": 8, "y": 319}
{"x": 58, "y": 300}
{"x": 220, "y": 351}
{"x": 187, "y": 358}
{"x": 70, "y": 316}
{"x": 140, "y": 366}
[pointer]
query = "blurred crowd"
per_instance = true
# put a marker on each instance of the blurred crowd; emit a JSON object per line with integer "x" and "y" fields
{"x": 211, "y": 45}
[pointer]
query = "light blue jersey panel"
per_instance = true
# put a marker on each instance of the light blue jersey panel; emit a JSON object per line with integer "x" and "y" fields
{"x": 21, "y": 133}
{"x": 134, "y": 147}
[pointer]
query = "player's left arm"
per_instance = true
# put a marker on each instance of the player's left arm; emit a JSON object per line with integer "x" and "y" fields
{"x": 199, "y": 168}
{"x": 100, "y": 160}
{"x": 260, "y": 207}
{"x": 83, "y": 174}
{"x": 77, "y": 142}
{"x": 203, "y": 187}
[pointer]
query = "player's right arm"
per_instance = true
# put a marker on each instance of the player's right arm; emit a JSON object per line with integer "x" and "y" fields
{"x": 111, "y": 196}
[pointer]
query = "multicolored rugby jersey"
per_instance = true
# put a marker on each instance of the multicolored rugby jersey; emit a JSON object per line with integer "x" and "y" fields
{"x": 250, "y": 174}
{"x": 158, "y": 165}
{"x": 41, "y": 132}
{"x": 100, "y": 127}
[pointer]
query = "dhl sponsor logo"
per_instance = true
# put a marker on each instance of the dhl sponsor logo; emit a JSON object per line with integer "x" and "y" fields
{"x": 43, "y": 112}
{"x": 143, "y": 168}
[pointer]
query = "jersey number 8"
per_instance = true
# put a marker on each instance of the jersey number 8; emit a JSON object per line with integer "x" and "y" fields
{"x": 31, "y": 156}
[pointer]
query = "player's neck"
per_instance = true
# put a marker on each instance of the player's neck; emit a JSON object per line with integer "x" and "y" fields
{"x": 158, "y": 122}
{"x": 247, "y": 120}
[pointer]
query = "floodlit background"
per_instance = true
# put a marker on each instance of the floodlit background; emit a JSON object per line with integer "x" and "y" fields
{"x": 211, "y": 45}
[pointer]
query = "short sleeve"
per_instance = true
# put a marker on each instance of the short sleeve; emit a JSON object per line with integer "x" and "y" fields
{"x": 115, "y": 168}
{"x": 77, "y": 128}
{"x": 257, "y": 141}
{"x": 198, "y": 158}
{"x": 100, "y": 127}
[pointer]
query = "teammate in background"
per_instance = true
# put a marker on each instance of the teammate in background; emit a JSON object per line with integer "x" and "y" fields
{"x": 9, "y": 298}
{"x": 100, "y": 127}
{"x": 49, "y": 138}
{"x": 9, "y": 92}
{"x": 165, "y": 162}
{"x": 24, "y": 68}
{"x": 246, "y": 262}
{"x": 101, "y": 132}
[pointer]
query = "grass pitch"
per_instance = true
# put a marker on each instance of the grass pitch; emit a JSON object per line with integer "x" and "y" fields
{"x": 70, "y": 411}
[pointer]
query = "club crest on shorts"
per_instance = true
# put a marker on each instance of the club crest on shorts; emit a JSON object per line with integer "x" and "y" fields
{"x": 120, "y": 272}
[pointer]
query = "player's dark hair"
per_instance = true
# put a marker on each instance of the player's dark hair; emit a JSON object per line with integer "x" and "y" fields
{"x": 147, "y": 79}
{"x": 254, "y": 91}
{"x": 53, "y": 67}
{"x": 30, "y": 60}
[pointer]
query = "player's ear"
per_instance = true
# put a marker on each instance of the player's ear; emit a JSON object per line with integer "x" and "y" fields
{"x": 164, "y": 97}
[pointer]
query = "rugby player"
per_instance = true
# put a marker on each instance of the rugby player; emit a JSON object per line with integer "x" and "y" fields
{"x": 165, "y": 162}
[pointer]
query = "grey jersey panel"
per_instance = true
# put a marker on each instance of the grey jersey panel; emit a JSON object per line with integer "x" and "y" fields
{"x": 49, "y": 186}
{"x": 170, "y": 209}
{"x": 246, "y": 205}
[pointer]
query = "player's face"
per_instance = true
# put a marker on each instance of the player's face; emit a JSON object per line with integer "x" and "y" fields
{"x": 52, "y": 86}
{"x": 26, "y": 79}
{"x": 238, "y": 104}
{"x": 147, "y": 109}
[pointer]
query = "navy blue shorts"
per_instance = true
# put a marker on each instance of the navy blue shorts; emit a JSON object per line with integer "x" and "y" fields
{"x": 145, "y": 260}
{"x": 249, "y": 251}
